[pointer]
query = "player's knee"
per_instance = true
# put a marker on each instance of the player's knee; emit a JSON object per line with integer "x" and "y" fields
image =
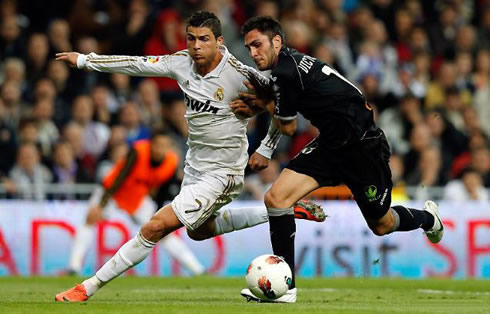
{"x": 381, "y": 229}
{"x": 154, "y": 230}
{"x": 272, "y": 200}
{"x": 203, "y": 232}
{"x": 198, "y": 236}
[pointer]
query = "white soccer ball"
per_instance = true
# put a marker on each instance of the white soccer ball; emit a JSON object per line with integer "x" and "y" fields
{"x": 268, "y": 277}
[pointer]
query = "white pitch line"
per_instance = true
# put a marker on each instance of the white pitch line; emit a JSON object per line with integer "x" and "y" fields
{"x": 432, "y": 291}
{"x": 221, "y": 290}
{"x": 177, "y": 290}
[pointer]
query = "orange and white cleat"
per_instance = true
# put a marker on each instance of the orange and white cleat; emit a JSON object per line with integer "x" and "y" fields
{"x": 75, "y": 294}
{"x": 304, "y": 209}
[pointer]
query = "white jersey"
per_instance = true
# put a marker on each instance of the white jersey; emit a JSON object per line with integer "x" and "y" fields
{"x": 217, "y": 138}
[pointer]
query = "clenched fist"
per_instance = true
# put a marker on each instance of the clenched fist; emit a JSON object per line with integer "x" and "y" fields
{"x": 244, "y": 110}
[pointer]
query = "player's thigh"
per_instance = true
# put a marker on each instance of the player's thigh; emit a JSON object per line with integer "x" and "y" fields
{"x": 368, "y": 176}
{"x": 202, "y": 194}
{"x": 289, "y": 188}
{"x": 162, "y": 223}
{"x": 307, "y": 171}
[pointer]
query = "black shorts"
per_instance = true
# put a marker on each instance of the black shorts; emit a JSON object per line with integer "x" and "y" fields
{"x": 362, "y": 166}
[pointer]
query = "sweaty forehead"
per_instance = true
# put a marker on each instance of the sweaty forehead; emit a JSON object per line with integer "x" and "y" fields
{"x": 200, "y": 31}
{"x": 254, "y": 35}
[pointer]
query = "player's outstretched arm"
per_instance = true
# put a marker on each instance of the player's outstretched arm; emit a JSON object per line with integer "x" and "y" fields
{"x": 260, "y": 159}
{"x": 131, "y": 65}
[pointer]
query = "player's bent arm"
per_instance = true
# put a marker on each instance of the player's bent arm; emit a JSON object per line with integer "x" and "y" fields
{"x": 243, "y": 110}
{"x": 131, "y": 65}
{"x": 286, "y": 127}
{"x": 121, "y": 176}
{"x": 260, "y": 159}
{"x": 269, "y": 144}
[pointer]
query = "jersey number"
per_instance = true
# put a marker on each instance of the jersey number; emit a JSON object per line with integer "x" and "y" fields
{"x": 328, "y": 70}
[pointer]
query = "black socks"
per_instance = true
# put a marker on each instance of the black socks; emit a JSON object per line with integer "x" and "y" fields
{"x": 411, "y": 219}
{"x": 283, "y": 232}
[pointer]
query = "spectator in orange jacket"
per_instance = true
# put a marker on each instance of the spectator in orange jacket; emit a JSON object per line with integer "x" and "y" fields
{"x": 149, "y": 164}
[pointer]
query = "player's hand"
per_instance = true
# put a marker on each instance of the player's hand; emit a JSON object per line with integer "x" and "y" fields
{"x": 69, "y": 57}
{"x": 242, "y": 110}
{"x": 251, "y": 98}
{"x": 94, "y": 215}
{"x": 258, "y": 162}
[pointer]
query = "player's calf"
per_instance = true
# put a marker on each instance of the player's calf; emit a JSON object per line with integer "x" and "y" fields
{"x": 383, "y": 226}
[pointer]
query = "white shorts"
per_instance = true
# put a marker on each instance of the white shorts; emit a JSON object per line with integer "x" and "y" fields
{"x": 202, "y": 194}
{"x": 141, "y": 216}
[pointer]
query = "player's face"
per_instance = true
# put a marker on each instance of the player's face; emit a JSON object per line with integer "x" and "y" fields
{"x": 159, "y": 146}
{"x": 262, "y": 49}
{"x": 202, "y": 45}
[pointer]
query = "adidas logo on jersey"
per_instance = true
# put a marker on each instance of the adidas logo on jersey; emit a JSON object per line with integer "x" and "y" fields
{"x": 199, "y": 106}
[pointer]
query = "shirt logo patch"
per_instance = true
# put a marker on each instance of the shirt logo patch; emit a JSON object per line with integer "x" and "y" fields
{"x": 371, "y": 192}
{"x": 153, "y": 59}
{"x": 219, "y": 95}
{"x": 198, "y": 106}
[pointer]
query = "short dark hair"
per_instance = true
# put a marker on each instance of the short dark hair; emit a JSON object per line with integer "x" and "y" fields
{"x": 205, "y": 19}
{"x": 264, "y": 24}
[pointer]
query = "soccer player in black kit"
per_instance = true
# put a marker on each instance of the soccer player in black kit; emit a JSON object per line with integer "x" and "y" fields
{"x": 350, "y": 149}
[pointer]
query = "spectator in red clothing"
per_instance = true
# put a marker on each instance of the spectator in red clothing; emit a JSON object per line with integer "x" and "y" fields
{"x": 168, "y": 37}
{"x": 403, "y": 26}
{"x": 480, "y": 160}
{"x": 477, "y": 140}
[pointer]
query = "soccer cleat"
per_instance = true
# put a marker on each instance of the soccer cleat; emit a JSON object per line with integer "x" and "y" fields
{"x": 289, "y": 297}
{"x": 437, "y": 231}
{"x": 304, "y": 209}
{"x": 75, "y": 294}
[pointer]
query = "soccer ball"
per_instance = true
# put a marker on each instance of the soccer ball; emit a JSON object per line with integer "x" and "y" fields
{"x": 268, "y": 277}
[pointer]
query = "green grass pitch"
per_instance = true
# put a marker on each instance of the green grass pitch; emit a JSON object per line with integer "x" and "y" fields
{"x": 215, "y": 295}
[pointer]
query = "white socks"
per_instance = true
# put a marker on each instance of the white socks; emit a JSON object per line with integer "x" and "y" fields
{"x": 130, "y": 254}
{"x": 138, "y": 248}
{"x": 177, "y": 248}
{"x": 231, "y": 219}
{"x": 84, "y": 237}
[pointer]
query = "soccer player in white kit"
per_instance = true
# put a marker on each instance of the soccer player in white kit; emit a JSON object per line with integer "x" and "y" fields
{"x": 210, "y": 78}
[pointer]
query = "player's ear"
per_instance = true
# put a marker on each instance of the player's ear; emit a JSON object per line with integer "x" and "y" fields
{"x": 220, "y": 40}
{"x": 276, "y": 42}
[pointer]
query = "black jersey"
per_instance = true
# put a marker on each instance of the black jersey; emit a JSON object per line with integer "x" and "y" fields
{"x": 333, "y": 104}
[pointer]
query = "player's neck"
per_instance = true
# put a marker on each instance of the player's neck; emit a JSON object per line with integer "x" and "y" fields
{"x": 206, "y": 68}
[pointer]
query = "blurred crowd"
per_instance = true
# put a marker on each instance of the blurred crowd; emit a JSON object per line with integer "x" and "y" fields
{"x": 424, "y": 66}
